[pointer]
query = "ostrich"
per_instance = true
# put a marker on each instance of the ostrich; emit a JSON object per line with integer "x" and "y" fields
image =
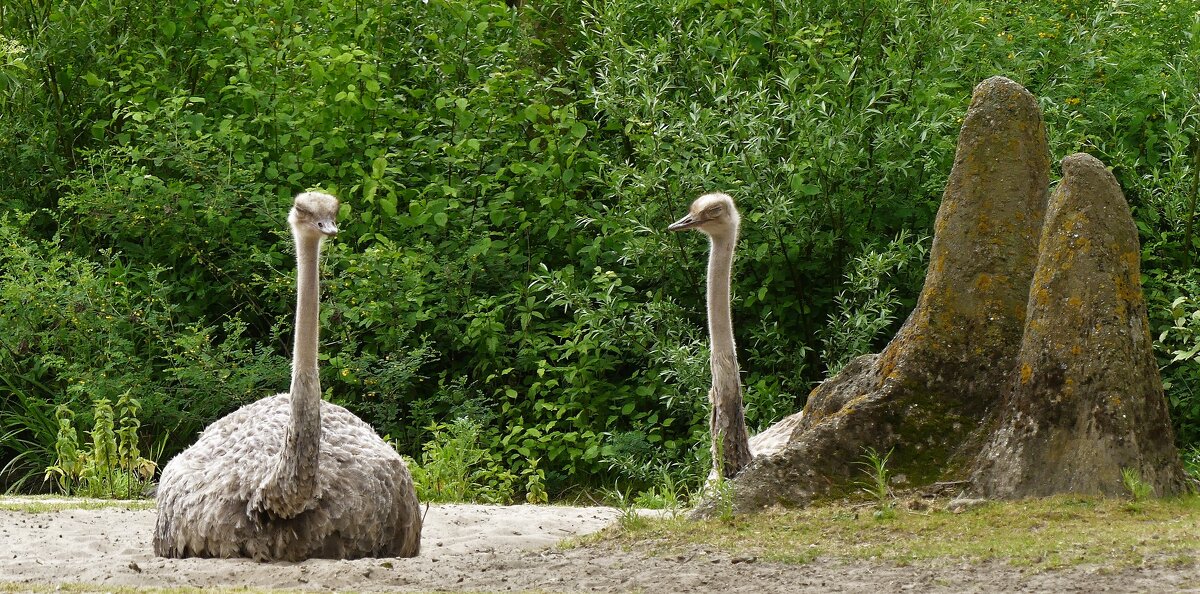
{"x": 715, "y": 216}
{"x": 291, "y": 476}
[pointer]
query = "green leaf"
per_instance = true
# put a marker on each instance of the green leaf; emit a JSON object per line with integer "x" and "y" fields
{"x": 378, "y": 166}
{"x": 388, "y": 206}
{"x": 1186, "y": 355}
{"x": 480, "y": 247}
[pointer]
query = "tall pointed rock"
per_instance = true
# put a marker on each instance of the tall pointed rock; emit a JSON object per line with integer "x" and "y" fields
{"x": 1086, "y": 400}
{"x": 926, "y": 395}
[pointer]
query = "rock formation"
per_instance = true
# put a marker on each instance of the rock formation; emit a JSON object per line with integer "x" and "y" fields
{"x": 924, "y": 397}
{"x": 1086, "y": 400}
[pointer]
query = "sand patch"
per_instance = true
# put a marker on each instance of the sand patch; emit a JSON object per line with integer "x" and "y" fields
{"x": 112, "y": 547}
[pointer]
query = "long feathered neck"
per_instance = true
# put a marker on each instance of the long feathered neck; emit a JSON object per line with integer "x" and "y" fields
{"x": 720, "y": 320}
{"x": 304, "y": 352}
{"x": 293, "y": 486}
{"x": 731, "y": 446}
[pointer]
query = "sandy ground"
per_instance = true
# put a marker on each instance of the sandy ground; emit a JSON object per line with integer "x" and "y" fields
{"x": 502, "y": 549}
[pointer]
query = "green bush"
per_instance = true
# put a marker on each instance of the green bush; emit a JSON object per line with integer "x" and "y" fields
{"x": 1180, "y": 341}
{"x": 506, "y": 177}
{"x": 455, "y": 468}
{"x": 113, "y": 467}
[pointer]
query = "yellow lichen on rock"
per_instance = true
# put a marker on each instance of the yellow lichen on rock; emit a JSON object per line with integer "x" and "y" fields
{"x": 1065, "y": 426}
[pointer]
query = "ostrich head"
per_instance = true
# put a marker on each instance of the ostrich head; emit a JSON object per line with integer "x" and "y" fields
{"x": 314, "y": 214}
{"x": 713, "y": 214}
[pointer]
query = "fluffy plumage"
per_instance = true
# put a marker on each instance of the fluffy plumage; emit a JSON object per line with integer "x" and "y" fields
{"x": 365, "y": 505}
{"x": 291, "y": 476}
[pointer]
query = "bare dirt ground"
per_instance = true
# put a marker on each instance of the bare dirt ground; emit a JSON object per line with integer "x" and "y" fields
{"x": 502, "y": 549}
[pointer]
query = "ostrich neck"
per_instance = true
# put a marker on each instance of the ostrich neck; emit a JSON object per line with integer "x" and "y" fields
{"x": 720, "y": 321}
{"x": 294, "y": 483}
{"x": 727, "y": 425}
{"x": 304, "y": 353}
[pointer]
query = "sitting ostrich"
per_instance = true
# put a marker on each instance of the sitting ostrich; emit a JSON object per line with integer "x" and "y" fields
{"x": 715, "y": 216}
{"x": 291, "y": 476}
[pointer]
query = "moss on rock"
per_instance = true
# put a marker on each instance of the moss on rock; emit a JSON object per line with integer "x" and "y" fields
{"x": 1087, "y": 401}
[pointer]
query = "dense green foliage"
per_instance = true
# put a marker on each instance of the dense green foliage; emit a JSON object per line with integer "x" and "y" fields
{"x": 455, "y": 466}
{"x": 507, "y": 175}
{"x": 113, "y": 467}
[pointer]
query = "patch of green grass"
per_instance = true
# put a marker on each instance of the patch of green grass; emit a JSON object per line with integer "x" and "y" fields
{"x": 1138, "y": 489}
{"x": 35, "y": 505}
{"x": 1041, "y": 534}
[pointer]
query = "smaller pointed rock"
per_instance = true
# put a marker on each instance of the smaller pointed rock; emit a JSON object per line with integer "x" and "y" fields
{"x": 1086, "y": 400}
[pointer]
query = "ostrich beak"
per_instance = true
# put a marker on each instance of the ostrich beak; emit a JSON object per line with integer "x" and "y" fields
{"x": 328, "y": 228}
{"x": 686, "y": 222}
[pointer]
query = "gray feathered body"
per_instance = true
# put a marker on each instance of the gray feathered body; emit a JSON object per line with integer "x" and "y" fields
{"x": 291, "y": 477}
{"x": 364, "y": 505}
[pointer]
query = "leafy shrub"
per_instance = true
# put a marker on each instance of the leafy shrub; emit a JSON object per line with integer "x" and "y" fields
{"x": 867, "y": 307}
{"x": 506, "y": 176}
{"x": 454, "y": 468}
{"x": 28, "y": 434}
{"x": 1181, "y": 372}
{"x": 1191, "y": 461}
{"x": 79, "y": 331}
{"x": 113, "y": 467}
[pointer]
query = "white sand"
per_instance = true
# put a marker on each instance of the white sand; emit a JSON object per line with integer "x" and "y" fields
{"x": 113, "y": 547}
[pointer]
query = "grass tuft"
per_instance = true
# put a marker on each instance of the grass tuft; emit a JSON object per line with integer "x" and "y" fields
{"x": 43, "y": 504}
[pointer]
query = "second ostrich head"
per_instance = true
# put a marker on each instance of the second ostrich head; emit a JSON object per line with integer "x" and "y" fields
{"x": 713, "y": 214}
{"x": 314, "y": 214}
